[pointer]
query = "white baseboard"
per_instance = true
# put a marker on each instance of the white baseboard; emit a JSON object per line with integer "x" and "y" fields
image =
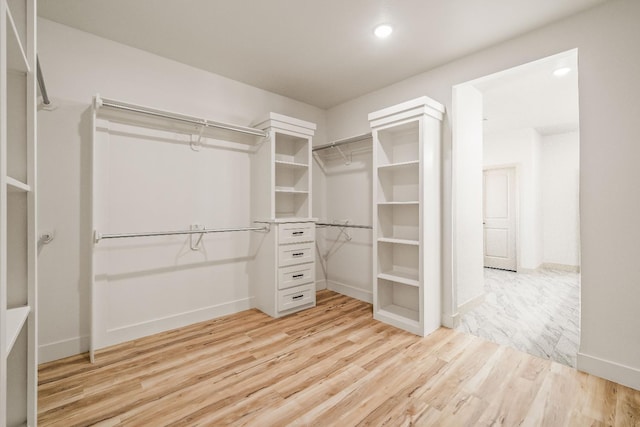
{"x": 450, "y": 321}
{"x": 130, "y": 332}
{"x": 471, "y": 304}
{"x": 64, "y": 348}
{"x": 350, "y": 291}
{"x": 561, "y": 267}
{"x": 320, "y": 285}
{"x": 609, "y": 370}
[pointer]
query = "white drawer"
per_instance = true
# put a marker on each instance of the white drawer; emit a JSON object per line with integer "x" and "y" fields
{"x": 295, "y": 275}
{"x": 296, "y": 233}
{"x": 296, "y": 297}
{"x": 296, "y": 254}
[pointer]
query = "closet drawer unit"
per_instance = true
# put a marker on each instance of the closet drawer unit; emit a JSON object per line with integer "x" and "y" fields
{"x": 296, "y": 297}
{"x": 296, "y": 275}
{"x": 296, "y": 233}
{"x": 296, "y": 254}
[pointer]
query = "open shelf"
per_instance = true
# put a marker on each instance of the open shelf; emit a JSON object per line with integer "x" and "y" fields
{"x": 399, "y": 221}
{"x": 292, "y": 204}
{"x": 17, "y": 126}
{"x": 401, "y": 165}
{"x": 399, "y": 144}
{"x": 399, "y": 241}
{"x": 399, "y": 184}
{"x": 409, "y": 279}
{"x": 293, "y": 178}
{"x": 293, "y": 165}
{"x": 15, "y": 186}
{"x": 16, "y": 317}
{"x": 16, "y": 57}
{"x": 399, "y": 300}
{"x": 291, "y": 149}
{"x": 399, "y": 260}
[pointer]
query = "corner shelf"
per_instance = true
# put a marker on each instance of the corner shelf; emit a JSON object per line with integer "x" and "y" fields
{"x": 16, "y": 318}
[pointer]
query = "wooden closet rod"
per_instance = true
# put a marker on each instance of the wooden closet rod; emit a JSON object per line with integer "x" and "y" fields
{"x": 98, "y": 236}
{"x": 110, "y": 103}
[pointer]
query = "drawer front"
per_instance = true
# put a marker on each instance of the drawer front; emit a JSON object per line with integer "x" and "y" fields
{"x": 295, "y": 275}
{"x": 296, "y": 254}
{"x": 296, "y": 233}
{"x": 296, "y": 297}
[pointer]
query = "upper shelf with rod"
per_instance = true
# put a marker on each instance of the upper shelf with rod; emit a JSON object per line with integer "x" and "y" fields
{"x": 195, "y": 124}
{"x": 336, "y": 147}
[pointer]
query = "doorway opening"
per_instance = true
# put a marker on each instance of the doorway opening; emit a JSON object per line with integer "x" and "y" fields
{"x": 516, "y": 256}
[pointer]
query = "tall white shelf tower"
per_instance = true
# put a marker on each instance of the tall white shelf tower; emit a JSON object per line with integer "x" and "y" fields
{"x": 406, "y": 215}
{"x": 18, "y": 322}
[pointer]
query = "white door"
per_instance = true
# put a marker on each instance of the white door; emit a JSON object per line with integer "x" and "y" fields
{"x": 499, "y": 218}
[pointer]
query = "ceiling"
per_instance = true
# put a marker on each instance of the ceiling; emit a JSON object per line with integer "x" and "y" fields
{"x": 531, "y": 96}
{"x": 321, "y": 52}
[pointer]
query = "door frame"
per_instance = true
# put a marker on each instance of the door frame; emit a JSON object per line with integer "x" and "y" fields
{"x": 516, "y": 167}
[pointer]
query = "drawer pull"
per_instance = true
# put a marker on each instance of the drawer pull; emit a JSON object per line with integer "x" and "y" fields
{"x": 297, "y": 296}
{"x": 297, "y": 276}
{"x": 297, "y": 254}
{"x": 297, "y": 233}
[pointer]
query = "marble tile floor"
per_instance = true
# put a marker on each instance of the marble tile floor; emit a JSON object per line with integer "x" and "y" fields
{"x": 536, "y": 312}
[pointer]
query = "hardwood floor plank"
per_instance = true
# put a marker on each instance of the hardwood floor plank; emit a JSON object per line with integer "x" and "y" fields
{"x": 329, "y": 365}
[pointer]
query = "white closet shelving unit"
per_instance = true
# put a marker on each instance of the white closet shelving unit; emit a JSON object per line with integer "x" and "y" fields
{"x": 406, "y": 214}
{"x": 284, "y": 267}
{"x": 18, "y": 323}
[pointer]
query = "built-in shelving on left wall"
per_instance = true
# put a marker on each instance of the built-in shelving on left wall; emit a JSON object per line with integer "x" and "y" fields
{"x": 18, "y": 296}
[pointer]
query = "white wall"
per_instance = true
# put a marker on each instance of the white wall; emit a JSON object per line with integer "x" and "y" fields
{"x": 467, "y": 182}
{"x": 521, "y": 148}
{"x": 609, "y": 107}
{"x": 347, "y": 263}
{"x": 78, "y": 65}
{"x": 560, "y": 173}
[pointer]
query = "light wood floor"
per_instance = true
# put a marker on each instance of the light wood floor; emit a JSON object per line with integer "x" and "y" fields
{"x": 329, "y": 366}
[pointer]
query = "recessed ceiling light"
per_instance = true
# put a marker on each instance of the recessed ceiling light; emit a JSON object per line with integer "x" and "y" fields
{"x": 562, "y": 71}
{"x": 383, "y": 31}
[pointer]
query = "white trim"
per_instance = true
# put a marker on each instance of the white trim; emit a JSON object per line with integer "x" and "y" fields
{"x": 137, "y": 330}
{"x": 350, "y": 291}
{"x": 321, "y": 285}
{"x": 561, "y": 267}
{"x": 612, "y": 371}
{"x": 63, "y": 348}
{"x": 470, "y": 305}
{"x": 450, "y": 321}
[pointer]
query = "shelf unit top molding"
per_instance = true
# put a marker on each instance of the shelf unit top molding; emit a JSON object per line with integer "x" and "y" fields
{"x": 407, "y": 110}
{"x": 281, "y": 122}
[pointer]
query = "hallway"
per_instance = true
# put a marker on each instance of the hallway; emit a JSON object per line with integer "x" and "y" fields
{"x": 536, "y": 312}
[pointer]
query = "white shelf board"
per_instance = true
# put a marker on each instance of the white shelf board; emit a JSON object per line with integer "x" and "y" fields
{"x": 399, "y": 241}
{"x": 16, "y": 318}
{"x": 290, "y": 190}
{"x": 292, "y": 165}
{"x": 15, "y": 186}
{"x": 402, "y": 314}
{"x": 399, "y": 165}
{"x": 16, "y": 58}
{"x": 411, "y": 202}
{"x": 400, "y": 277}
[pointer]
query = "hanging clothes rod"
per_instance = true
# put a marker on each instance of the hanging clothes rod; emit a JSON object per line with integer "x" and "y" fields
{"x": 98, "y": 236}
{"x": 41, "y": 85}
{"x": 344, "y": 141}
{"x": 330, "y": 224}
{"x": 110, "y": 103}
